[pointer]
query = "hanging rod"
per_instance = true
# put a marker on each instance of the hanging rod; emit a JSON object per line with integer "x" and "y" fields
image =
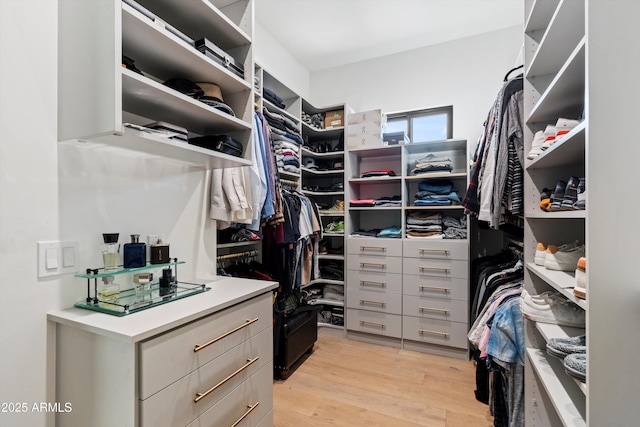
{"x": 251, "y": 253}
{"x": 289, "y": 183}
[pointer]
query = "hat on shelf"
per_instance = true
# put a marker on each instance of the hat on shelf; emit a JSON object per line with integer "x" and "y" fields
{"x": 185, "y": 86}
{"x": 310, "y": 163}
{"x": 213, "y": 97}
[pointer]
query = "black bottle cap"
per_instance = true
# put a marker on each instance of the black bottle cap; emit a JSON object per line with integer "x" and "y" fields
{"x": 110, "y": 237}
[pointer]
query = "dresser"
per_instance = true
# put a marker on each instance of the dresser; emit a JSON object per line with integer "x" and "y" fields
{"x": 200, "y": 361}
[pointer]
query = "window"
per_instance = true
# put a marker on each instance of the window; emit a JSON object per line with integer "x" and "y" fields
{"x": 433, "y": 124}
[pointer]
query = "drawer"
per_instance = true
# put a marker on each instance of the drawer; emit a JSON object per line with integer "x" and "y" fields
{"x": 375, "y": 301}
{"x": 436, "y": 268}
{"x": 377, "y": 264}
{"x": 175, "y": 405}
{"x": 374, "y": 281}
{"x": 436, "y": 249}
{"x": 443, "y": 332}
{"x": 267, "y": 421}
{"x": 442, "y": 288}
{"x": 454, "y": 310}
{"x": 247, "y": 405}
{"x": 374, "y": 246}
{"x": 389, "y": 325}
{"x": 171, "y": 356}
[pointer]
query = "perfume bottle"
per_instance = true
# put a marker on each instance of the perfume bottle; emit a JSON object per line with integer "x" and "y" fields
{"x": 108, "y": 292}
{"x": 159, "y": 252}
{"x": 135, "y": 253}
{"x": 110, "y": 250}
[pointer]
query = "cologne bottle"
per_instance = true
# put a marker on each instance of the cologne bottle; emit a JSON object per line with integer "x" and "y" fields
{"x": 135, "y": 253}
{"x": 108, "y": 292}
{"x": 159, "y": 252}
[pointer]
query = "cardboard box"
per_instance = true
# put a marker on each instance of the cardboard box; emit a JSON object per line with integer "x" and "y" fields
{"x": 373, "y": 116}
{"x": 363, "y": 135}
{"x": 334, "y": 119}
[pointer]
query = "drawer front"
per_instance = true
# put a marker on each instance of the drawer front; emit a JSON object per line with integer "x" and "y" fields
{"x": 374, "y": 246}
{"x": 374, "y": 282}
{"x": 374, "y": 264}
{"x": 375, "y": 301}
{"x": 171, "y": 356}
{"x": 389, "y": 325}
{"x": 454, "y": 310}
{"x": 175, "y": 405}
{"x": 445, "y": 288}
{"x": 436, "y": 249}
{"x": 267, "y": 421}
{"x": 436, "y": 268}
{"x": 247, "y": 405}
{"x": 443, "y": 332}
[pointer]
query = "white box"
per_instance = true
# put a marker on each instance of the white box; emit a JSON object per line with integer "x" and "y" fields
{"x": 373, "y": 116}
{"x": 363, "y": 135}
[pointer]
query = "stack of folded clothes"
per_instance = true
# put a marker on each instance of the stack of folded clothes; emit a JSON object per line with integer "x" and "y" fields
{"x": 423, "y": 224}
{"x": 389, "y": 201}
{"x": 432, "y": 163}
{"x": 436, "y": 192}
{"x": 286, "y": 141}
{"x": 272, "y": 97}
{"x": 366, "y": 233}
{"x": 390, "y": 232}
{"x": 377, "y": 173}
{"x": 454, "y": 228}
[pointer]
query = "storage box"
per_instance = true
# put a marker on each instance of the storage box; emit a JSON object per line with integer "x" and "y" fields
{"x": 220, "y": 56}
{"x": 334, "y": 119}
{"x": 363, "y": 135}
{"x": 395, "y": 138}
{"x": 373, "y": 116}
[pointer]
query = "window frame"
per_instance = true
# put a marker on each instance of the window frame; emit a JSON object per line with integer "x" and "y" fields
{"x": 410, "y": 115}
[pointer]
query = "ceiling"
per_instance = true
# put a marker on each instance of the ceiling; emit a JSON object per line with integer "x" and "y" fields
{"x": 328, "y": 33}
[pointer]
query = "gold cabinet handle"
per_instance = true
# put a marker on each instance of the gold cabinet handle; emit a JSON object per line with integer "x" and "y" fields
{"x": 371, "y": 282}
{"x": 250, "y": 408}
{"x": 200, "y": 396}
{"x": 375, "y": 248}
{"x": 427, "y": 331}
{"x": 440, "y": 310}
{"x": 199, "y": 347}
{"x": 373, "y": 264}
{"x": 444, "y": 270}
{"x": 434, "y": 288}
{"x": 366, "y": 322}
{"x": 444, "y": 251}
{"x": 368, "y": 301}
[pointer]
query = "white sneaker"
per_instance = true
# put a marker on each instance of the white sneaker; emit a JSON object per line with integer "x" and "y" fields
{"x": 564, "y": 126}
{"x": 536, "y": 145}
{"x": 549, "y": 137}
{"x": 580, "y": 290}
{"x": 541, "y": 252}
{"x": 563, "y": 258}
{"x": 557, "y": 311}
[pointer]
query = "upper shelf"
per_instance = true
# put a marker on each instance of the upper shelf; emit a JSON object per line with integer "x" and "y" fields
{"x": 327, "y": 132}
{"x": 566, "y": 152}
{"x": 443, "y": 145}
{"x": 561, "y": 281}
{"x": 540, "y": 15}
{"x": 328, "y": 155}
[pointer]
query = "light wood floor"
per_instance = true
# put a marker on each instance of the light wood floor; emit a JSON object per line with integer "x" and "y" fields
{"x": 350, "y": 383}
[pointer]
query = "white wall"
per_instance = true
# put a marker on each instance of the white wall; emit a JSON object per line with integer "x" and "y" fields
{"x": 465, "y": 73}
{"x": 51, "y": 191}
{"x": 274, "y": 58}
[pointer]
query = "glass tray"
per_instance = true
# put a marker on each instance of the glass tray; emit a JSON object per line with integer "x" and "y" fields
{"x": 129, "y": 301}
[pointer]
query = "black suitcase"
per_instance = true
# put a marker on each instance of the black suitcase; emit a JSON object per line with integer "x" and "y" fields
{"x": 220, "y": 56}
{"x": 221, "y": 143}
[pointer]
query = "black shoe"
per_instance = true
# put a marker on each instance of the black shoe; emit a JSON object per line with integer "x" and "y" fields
{"x": 581, "y": 203}
{"x": 570, "y": 194}
{"x": 558, "y": 196}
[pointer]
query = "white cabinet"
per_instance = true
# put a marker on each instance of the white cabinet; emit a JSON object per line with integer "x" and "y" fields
{"x": 97, "y": 95}
{"x": 204, "y": 361}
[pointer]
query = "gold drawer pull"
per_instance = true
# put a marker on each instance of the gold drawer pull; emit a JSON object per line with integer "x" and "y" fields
{"x": 251, "y": 408}
{"x": 199, "y": 347}
{"x": 200, "y": 396}
{"x": 427, "y": 331}
{"x": 375, "y": 248}
{"x": 441, "y": 310}
{"x": 434, "y": 288}
{"x": 444, "y": 251}
{"x": 366, "y": 322}
{"x": 368, "y": 301}
{"x": 370, "y": 282}
{"x": 363, "y": 264}
{"x": 444, "y": 270}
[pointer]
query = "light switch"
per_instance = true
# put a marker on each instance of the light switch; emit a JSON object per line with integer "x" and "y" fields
{"x": 68, "y": 256}
{"x": 51, "y": 258}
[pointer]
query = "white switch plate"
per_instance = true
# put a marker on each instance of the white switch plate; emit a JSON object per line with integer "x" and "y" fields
{"x": 65, "y": 254}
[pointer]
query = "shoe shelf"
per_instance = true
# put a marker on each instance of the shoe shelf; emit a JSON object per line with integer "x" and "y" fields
{"x": 565, "y": 94}
{"x": 540, "y": 15}
{"x": 568, "y": 399}
{"x": 328, "y": 155}
{"x": 331, "y": 213}
{"x": 237, "y": 244}
{"x": 321, "y": 132}
{"x": 561, "y": 281}
{"x": 573, "y": 214}
{"x": 323, "y": 193}
{"x": 549, "y": 331}
{"x": 559, "y": 39}
{"x": 570, "y": 150}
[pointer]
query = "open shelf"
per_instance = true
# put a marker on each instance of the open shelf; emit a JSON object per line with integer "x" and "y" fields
{"x": 561, "y": 281}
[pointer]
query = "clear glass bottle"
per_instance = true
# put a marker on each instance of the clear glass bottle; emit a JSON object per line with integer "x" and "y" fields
{"x": 108, "y": 292}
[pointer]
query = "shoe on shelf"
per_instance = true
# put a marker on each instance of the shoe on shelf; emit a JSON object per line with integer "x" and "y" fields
{"x": 541, "y": 251}
{"x": 545, "y": 199}
{"x": 581, "y": 202}
{"x": 570, "y": 194}
{"x": 580, "y": 290}
{"x": 564, "y": 257}
{"x": 557, "y": 196}
{"x": 549, "y": 137}
{"x": 564, "y": 126}
{"x": 554, "y": 310}
{"x": 536, "y": 145}
{"x": 322, "y": 247}
{"x": 576, "y": 366}
{"x": 335, "y": 227}
{"x": 562, "y": 347}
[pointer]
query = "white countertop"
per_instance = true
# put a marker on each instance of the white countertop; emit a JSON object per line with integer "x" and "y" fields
{"x": 225, "y": 292}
